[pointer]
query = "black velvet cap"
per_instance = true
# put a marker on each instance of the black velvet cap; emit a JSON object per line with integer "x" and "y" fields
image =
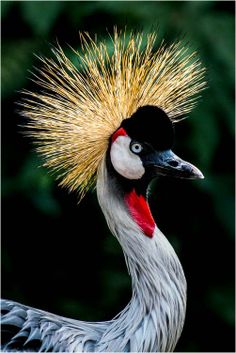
{"x": 151, "y": 125}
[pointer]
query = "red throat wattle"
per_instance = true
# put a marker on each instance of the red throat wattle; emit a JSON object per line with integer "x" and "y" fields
{"x": 140, "y": 212}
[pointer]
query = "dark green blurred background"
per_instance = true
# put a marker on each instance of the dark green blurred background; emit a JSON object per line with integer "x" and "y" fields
{"x": 59, "y": 256}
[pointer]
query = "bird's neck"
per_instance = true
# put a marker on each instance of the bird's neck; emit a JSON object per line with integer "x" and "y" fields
{"x": 158, "y": 283}
{"x": 132, "y": 195}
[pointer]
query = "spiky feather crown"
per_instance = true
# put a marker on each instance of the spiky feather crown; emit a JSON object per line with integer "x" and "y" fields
{"x": 74, "y": 116}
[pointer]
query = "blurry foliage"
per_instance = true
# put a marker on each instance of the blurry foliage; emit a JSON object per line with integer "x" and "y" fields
{"x": 58, "y": 255}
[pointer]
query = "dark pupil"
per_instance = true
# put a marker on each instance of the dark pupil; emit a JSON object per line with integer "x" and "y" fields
{"x": 136, "y": 147}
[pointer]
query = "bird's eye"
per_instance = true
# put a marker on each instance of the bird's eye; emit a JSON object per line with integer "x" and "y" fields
{"x": 136, "y": 147}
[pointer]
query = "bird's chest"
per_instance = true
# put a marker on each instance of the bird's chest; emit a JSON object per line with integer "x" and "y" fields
{"x": 159, "y": 330}
{"x": 163, "y": 305}
{"x": 154, "y": 328}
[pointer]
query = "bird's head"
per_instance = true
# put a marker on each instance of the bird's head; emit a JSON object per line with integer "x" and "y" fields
{"x": 119, "y": 103}
{"x": 141, "y": 148}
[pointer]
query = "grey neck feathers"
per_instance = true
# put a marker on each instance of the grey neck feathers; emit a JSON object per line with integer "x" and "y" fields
{"x": 154, "y": 318}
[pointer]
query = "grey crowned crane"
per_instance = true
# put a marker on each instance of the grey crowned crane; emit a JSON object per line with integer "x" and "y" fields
{"x": 111, "y": 122}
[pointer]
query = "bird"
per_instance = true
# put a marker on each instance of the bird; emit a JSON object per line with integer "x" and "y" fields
{"x": 106, "y": 121}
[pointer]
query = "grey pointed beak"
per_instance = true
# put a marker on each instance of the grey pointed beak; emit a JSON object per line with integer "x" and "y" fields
{"x": 167, "y": 163}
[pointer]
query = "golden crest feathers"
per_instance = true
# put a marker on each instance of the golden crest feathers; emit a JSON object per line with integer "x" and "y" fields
{"x": 78, "y": 109}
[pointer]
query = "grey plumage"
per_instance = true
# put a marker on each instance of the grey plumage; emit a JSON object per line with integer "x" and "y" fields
{"x": 153, "y": 319}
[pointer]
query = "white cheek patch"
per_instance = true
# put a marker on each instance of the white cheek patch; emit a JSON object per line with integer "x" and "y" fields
{"x": 125, "y": 162}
